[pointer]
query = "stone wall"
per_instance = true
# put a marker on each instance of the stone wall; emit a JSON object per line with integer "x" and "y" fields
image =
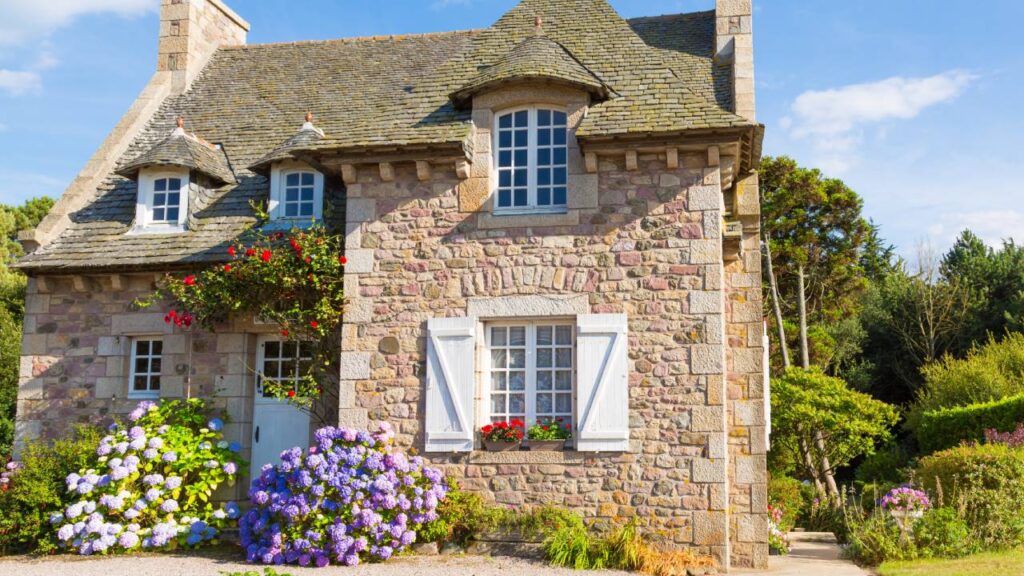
{"x": 651, "y": 248}
{"x": 190, "y": 32}
{"x": 76, "y": 354}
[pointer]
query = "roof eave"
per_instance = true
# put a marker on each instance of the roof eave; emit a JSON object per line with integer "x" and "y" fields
{"x": 464, "y": 96}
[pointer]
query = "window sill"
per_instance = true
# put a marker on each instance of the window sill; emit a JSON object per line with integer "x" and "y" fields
{"x": 284, "y": 224}
{"x": 528, "y": 219}
{"x": 143, "y": 395}
{"x": 155, "y": 229}
{"x": 527, "y": 457}
{"x": 530, "y": 211}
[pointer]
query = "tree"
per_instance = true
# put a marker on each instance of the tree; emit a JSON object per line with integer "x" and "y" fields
{"x": 824, "y": 425}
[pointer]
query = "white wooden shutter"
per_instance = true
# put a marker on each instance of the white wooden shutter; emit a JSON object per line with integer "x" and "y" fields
{"x": 451, "y": 374}
{"x": 602, "y": 376}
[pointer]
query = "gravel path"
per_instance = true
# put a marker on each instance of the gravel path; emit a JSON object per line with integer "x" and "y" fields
{"x": 213, "y": 564}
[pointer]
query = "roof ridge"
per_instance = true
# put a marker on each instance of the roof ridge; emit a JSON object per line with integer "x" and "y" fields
{"x": 678, "y": 16}
{"x": 355, "y": 39}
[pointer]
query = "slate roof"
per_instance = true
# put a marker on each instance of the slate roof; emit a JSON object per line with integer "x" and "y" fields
{"x": 536, "y": 58}
{"x": 393, "y": 92}
{"x": 184, "y": 151}
{"x": 306, "y": 137}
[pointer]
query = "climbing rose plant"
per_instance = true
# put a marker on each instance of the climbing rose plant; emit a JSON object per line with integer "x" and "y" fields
{"x": 291, "y": 279}
{"x": 352, "y": 497}
{"x": 151, "y": 484}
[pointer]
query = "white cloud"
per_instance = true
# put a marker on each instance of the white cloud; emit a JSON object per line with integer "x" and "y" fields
{"x": 835, "y": 120}
{"x": 17, "y": 82}
{"x": 27, "y": 20}
{"x": 992, "y": 226}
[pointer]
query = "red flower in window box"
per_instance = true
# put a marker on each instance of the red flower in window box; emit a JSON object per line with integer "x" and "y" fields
{"x": 503, "y": 436}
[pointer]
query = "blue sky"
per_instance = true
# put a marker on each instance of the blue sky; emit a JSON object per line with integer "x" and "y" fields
{"x": 916, "y": 104}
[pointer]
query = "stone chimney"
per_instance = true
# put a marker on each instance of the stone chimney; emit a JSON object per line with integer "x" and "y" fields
{"x": 190, "y": 32}
{"x": 734, "y": 44}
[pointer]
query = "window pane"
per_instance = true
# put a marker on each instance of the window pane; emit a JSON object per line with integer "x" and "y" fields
{"x": 307, "y": 179}
{"x": 559, "y": 118}
{"x": 271, "y": 370}
{"x": 544, "y": 177}
{"x": 563, "y": 358}
{"x": 522, "y": 157}
{"x": 160, "y": 185}
{"x": 517, "y": 358}
{"x": 544, "y": 196}
{"x": 154, "y": 383}
{"x": 498, "y": 381}
{"x": 141, "y": 365}
{"x": 517, "y": 336}
{"x": 172, "y": 214}
{"x": 522, "y": 118}
{"x": 521, "y": 197}
{"x": 544, "y": 380}
{"x": 543, "y": 117}
{"x": 174, "y": 198}
{"x": 291, "y": 195}
{"x": 521, "y": 177}
{"x": 544, "y": 137}
{"x": 291, "y": 209}
{"x": 272, "y": 349}
{"x": 306, "y": 209}
{"x": 505, "y": 178}
{"x": 156, "y": 347}
{"x": 560, "y": 137}
{"x": 505, "y": 198}
{"x": 544, "y": 335}
{"x": 497, "y": 358}
{"x": 159, "y": 215}
{"x": 142, "y": 347}
{"x": 563, "y": 403}
{"x": 563, "y": 380}
{"x": 155, "y": 366}
{"x": 160, "y": 199}
{"x": 559, "y": 156}
{"x": 140, "y": 384}
{"x": 292, "y": 180}
{"x": 517, "y": 381}
{"x": 497, "y": 404}
{"x": 543, "y": 358}
{"x": 522, "y": 138}
{"x": 174, "y": 184}
{"x": 504, "y": 139}
{"x": 560, "y": 175}
{"x": 307, "y": 194}
{"x": 559, "y": 197}
{"x": 498, "y": 336}
{"x": 544, "y": 157}
{"x": 516, "y": 404}
{"x": 563, "y": 335}
{"x": 505, "y": 121}
{"x": 544, "y": 404}
{"x": 505, "y": 159}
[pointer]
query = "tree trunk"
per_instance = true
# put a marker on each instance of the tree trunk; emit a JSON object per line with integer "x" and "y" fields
{"x": 776, "y": 305}
{"x": 805, "y": 355}
{"x": 826, "y": 466}
{"x": 812, "y": 469}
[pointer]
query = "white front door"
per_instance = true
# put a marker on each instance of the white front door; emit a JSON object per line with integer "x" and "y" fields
{"x": 277, "y": 425}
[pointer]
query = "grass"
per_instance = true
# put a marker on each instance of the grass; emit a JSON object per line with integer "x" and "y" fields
{"x": 988, "y": 564}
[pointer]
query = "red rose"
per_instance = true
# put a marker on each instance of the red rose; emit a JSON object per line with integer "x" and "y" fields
{"x": 314, "y": 324}
{"x": 284, "y": 333}
{"x": 265, "y": 256}
{"x": 231, "y": 251}
{"x": 250, "y": 252}
{"x": 342, "y": 260}
{"x": 294, "y": 244}
{"x": 227, "y": 267}
{"x": 190, "y": 280}
{"x": 291, "y": 393}
{"x": 308, "y": 260}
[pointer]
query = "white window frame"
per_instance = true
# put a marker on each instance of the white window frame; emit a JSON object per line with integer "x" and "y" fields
{"x": 278, "y": 176}
{"x": 531, "y": 203}
{"x": 144, "y": 204}
{"x": 132, "y": 372}
{"x": 484, "y": 414}
{"x": 261, "y": 357}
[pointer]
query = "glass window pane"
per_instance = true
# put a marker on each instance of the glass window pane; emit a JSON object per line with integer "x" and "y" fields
{"x": 141, "y": 365}
{"x": 516, "y": 404}
{"x": 521, "y": 177}
{"x": 272, "y": 349}
{"x": 155, "y": 366}
{"x": 544, "y": 358}
{"x": 499, "y": 336}
{"x": 504, "y": 139}
{"x": 307, "y": 179}
{"x": 174, "y": 198}
{"x": 271, "y": 370}
{"x": 521, "y": 197}
{"x": 156, "y": 347}
{"x": 306, "y": 209}
{"x": 563, "y": 358}
{"x": 142, "y": 347}
{"x": 174, "y": 184}
{"x": 291, "y": 195}
{"x": 544, "y": 335}
{"x": 160, "y": 185}
{"x": 505, "y": 198}
{"x": 505, "y": 121}
{"x": 172, "y": 214}
{"x": 292, "y": 180}
{"x": 498, "y": 358}
{"x": 563, "y": 403}
{"x": 289, "y": 369}
{"x": 543, "y": 117}
{"x": 517, "y": 381}
{"x": 139, "y": 383}
{"x": 154, "y": 383}
{"x": 160, "y": 199}
{"x": 544, "y": 137}
{"x": 544, "y": 157}
{"x": 159, "y": 214}
{"x": 544, "y": 380}
{"x": 563, "y": 380}
{"x": 517, "y": 336}
{"x": 544, "y": 196}
{"x": 498, "y": 381}
{"x": 522, "y": 138}
{"x": 560, "y": 175}
{"x": 559, "y": 197}
{"x": 307, "y": 194}
{"x": 522, "y": 157}
{"x": 505, "y": 178}
{"x": 559, "y": 118}
{"x": 291, "y": 210}
{"x": 560, "y": 137}
{"x": 522, "y": 118}
{"x": 559, "y": 158}
{"x": 517, "y": 358}
{"x": 544, "y": 404}
{"x": 544, "y": 177}
{"x": 505, "y": 159}
{"x": 497, "y": 403}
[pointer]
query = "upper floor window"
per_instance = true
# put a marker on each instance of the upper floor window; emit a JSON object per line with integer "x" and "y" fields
{"x": 296, "y": 194}
{"x": 163, "y": 201}
{"x": 531, "y": 160}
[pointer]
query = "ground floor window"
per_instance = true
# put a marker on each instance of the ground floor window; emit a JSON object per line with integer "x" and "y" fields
{"x": 531, "y": 371}
{"x": 282, "y": 365}
{"x": 146, "y": 365}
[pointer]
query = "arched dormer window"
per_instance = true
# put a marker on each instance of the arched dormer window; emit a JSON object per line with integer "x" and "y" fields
{"x": 296, "y": 194}
{"x": 531, "y": 161}
{"x": 162, "y": 205}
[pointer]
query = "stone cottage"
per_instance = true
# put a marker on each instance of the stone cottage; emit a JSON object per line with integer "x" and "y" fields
{"x": 555, "y": 216}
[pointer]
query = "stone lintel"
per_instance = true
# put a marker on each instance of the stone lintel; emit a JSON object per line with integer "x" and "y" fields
{"x": 528, "y": 306}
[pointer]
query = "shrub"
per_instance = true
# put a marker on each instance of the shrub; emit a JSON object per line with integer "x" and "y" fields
{"x": 877, "y": 539}
{"x": 351, "y": 497}
{"x": 990, "y": 372}
{"x": 35, "y": 490}
{"x": 777, "y": 540}
{"x": 941, "y": 533}
{"x": 944, "y": 428}
{"x": 1013, "y": 439}
{"x": 986, "y": 482}
{"x": 784, "y": 494}
{"x": 149, "y": 486}
{"x": 827, "y": 515}
{"x": 886, "y": 466}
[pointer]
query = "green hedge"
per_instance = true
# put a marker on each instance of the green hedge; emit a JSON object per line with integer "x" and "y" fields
{"x": 947, "y": 427}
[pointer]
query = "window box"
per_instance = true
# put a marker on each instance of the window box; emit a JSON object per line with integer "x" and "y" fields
{"x": 547, "y": 445}
{"x": 502, "y": 446}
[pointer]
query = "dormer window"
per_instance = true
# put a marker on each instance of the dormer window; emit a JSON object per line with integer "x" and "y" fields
{"x": 296, "y": 194}
{"x": 531, "y": 161}
{"x": 162, "y": 205}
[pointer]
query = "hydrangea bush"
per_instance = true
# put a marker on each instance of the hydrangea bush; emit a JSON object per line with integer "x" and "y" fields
{"x": 352, "y": 497}
{"x": 151, "y": 484}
